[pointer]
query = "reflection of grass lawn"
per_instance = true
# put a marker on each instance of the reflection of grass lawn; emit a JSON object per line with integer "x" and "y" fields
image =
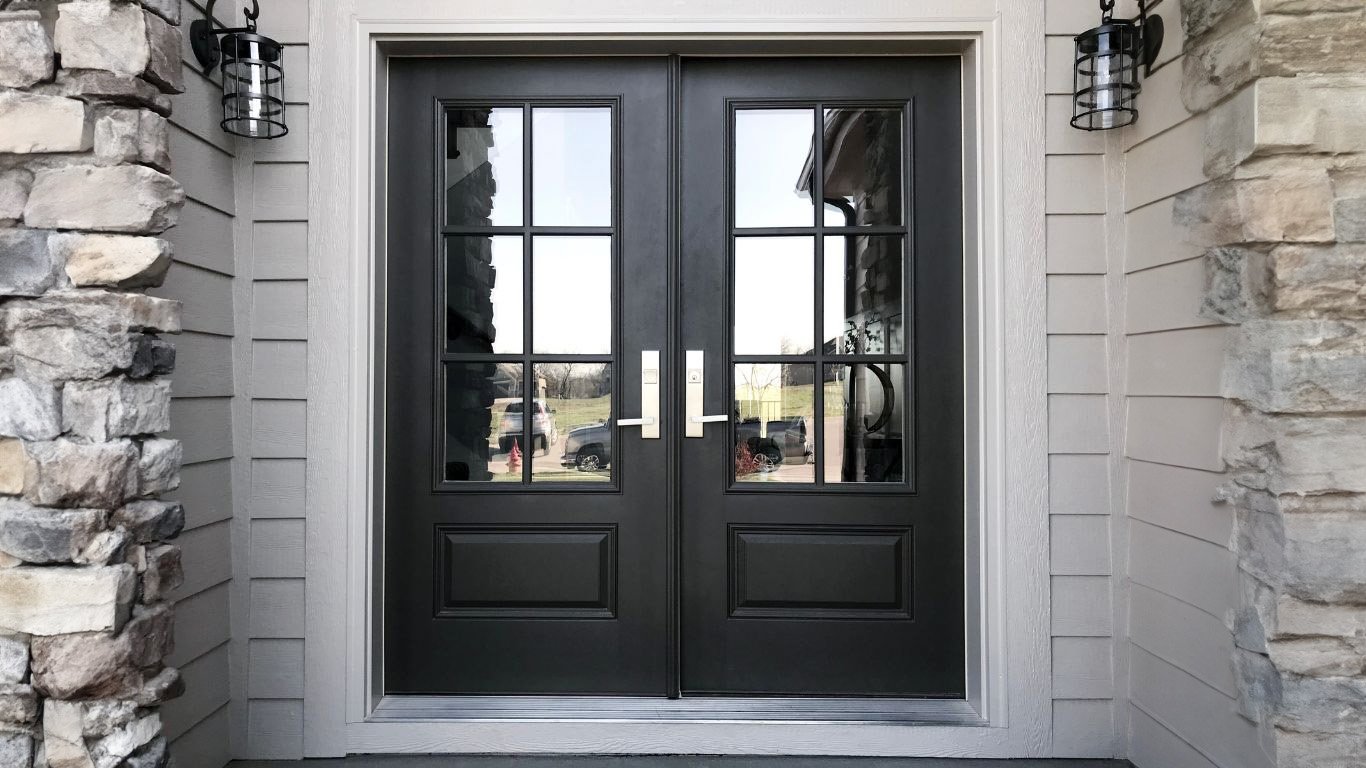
{"x": 796, "y": 400}
{"x": 577, "y": 412}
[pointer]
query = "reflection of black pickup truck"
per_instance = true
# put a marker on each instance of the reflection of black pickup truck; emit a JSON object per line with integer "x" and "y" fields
{"x": 785, "y": 440}
{"x": 588, "y": 448}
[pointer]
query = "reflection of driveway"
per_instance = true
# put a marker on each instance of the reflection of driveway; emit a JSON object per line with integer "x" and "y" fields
{"x": 540, "y": 463}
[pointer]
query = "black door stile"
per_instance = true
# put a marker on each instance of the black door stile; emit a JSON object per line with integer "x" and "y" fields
{"x": 817, "y": 553}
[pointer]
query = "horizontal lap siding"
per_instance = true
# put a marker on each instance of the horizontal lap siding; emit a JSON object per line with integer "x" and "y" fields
{"x": 278, "y": 194}
{"x": 1182, "y": 573}
{"x": 201, "y": 277}
{"x": 1079, "y": 408}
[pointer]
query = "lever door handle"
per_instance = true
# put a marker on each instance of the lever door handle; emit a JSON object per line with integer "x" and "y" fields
{"x": 693, "y": 382}
{"x": 649, "y": 396}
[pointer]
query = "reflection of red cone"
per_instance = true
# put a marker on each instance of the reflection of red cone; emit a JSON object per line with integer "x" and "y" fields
{"x": 514, "y": 458}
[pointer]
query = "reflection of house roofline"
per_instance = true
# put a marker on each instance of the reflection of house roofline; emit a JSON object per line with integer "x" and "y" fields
{"x": 841, "y": 127}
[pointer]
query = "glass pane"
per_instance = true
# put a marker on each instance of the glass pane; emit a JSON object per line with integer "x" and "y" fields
{"x": 773, "y": 168}
{"x": 573, "y": 441}
{"x": 863, "y": 286}
{"x": 483, "y": 420}
{"x": 775, "y": 295}
{"x": 862, "y": 166}
{"x": 572, "y": 295}
{"x": 484, "y": 166}
{"x": 484, "y": 294}
{"x": 865, "y": 410}
{"x": 773, "y": 413}
{"x": 571, "y": 166}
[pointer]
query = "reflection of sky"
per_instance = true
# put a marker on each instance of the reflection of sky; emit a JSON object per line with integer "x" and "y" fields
{"x": 771, "y": 146}
{"x": 507, "y": 294}
{"x": 571, "y": 285}
{"x": 773, "y": 295}
{"x": 571, "y": 186}
{"x": 571, "y": 173}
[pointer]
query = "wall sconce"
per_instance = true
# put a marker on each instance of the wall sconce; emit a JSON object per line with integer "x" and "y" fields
{"x": 253, "y": 82}
{"x": 1105, "y": 83}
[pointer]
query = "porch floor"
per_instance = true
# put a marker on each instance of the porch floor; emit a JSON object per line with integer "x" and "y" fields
{"x": 669, "y": 761}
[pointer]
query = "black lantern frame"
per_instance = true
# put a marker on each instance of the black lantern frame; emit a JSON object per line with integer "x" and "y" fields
{"x": 1105, "y": 74}
{"x": 253, "y": 79}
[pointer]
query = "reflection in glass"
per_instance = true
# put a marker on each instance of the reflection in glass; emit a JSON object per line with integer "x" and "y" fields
{"x": 865, "y": 413}
{"x": 772, "y": 148}
{"x": 774, "y": 295}
{"x": 483, "y": 421}
{"x": 862, "y": 159}
{"x": 571, "y": 166}
{"x": 863, "y": 282}
{"x": 484, "y": 294}
{"x": 571, "y": 295}
{"x": 773, "y": 417}
{"x": 574, "y": 442}
{"x": 484, "y": 166}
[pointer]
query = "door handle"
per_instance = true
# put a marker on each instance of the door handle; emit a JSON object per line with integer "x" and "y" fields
{"x": 649, "y": 397}
{"x": 693, "y": 385}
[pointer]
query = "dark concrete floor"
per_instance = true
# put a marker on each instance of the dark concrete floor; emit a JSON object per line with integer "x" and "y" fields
{"x": 671, "y": 761}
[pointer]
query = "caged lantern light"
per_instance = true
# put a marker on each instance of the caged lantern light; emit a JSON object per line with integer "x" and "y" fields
{"x": 1106, "y": 69}
{"x": 253, "y": 80}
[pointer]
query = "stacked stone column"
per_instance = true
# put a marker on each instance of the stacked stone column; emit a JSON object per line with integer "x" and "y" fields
{"x": 85, "y": 567}
{"x": 1284, "y": 216}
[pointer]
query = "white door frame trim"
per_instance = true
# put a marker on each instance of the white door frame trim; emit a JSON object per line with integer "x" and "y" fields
{"x": 1009, "y": 678}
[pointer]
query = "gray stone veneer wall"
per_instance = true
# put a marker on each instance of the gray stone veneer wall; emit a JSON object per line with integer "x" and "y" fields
{"x": 84, "y": 563}
{"x": 1284, "y": 217}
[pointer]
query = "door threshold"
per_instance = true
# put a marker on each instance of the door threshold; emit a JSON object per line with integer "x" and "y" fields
{"x": 619, "y": 709}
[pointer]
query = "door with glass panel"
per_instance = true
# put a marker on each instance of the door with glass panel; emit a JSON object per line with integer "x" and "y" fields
{"x": 822, "y": 324}
{"x": 525, "y": 488}
{"x": 674, "y": 378}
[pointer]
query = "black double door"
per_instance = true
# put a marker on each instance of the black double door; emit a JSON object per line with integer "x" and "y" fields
{"x": 674, "y": 377}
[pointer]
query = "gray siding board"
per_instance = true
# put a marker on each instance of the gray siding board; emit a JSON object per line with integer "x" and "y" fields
{"x": 206, "y": 296}
{"x": 206, "y": 491}
{"x": 1188, "y": 569}
{"x": 203, "y": 365}
{"x": 1184, "y": 636}
{"x": 281, "y": 192}
{"x": 281, "y": 250}
{"x": 277, "y": 608}
{"x": 199, "y": 109}
{"x": 203, "y": 169}
{"x": 1081, "y": 606}
{"x": 206, "y": 553}
{"x": 202, "y": 623}
{"x": 279, "y": 370}
{"x": 200, "y": 237}
{"x": 204, "y": 427}
{"x": 278, "y": 429}
{"x": 280, "y": 310}
{"x": 1202, "y": 716}
{"x": 206, "y": 690}
{"x": 277, "y": 548}
{"x": 201, "y": 277}
{"x": 277, "y": 669}
{"x": 277, "y": 488}
{"x": 205, "y": 743}
{"x": 276, "y": 727}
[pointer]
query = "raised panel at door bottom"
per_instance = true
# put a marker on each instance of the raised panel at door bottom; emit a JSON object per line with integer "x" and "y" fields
{"x": 820, "y": 572}
{"x": 526, "y": 571}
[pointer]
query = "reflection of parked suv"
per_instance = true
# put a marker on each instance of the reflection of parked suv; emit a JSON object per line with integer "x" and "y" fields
{"x": 588, "y": 448}
{"x": 543, "y": 431}
{"x": 786, "y": 440}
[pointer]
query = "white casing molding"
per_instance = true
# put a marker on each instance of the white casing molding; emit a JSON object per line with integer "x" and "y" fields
{"x": 1007, "y": 578}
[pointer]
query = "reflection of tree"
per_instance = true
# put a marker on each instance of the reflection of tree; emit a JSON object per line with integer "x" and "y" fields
{"x": 557, "y": 377}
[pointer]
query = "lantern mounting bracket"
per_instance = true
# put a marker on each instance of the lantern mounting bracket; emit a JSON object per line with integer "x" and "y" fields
{"x": 204, "y": 36}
